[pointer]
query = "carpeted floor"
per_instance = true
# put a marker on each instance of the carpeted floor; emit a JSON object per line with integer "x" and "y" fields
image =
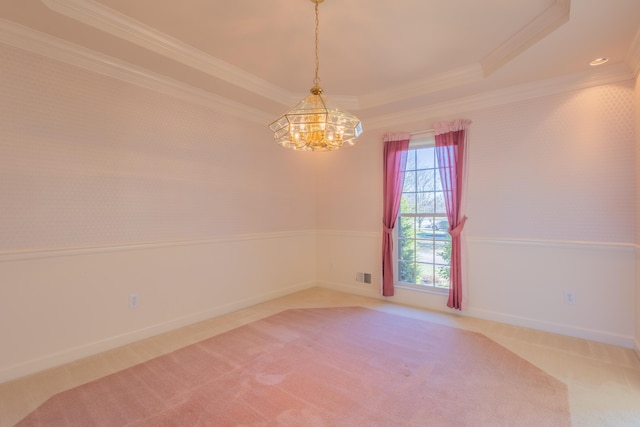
{"x": 346, "y": 366}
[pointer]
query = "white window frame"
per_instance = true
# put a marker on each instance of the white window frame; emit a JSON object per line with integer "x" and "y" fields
{"x": 423, "y": 140}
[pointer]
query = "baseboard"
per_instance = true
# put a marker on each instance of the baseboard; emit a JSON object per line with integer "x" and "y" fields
{"x": 555, "y": 328}
{"x": 363, "y": 290}
{"x": 567, "y": 330}
{"x": 69, "y": 355}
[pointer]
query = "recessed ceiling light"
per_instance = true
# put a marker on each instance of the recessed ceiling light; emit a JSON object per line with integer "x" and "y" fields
{"x": 599, "y": 61}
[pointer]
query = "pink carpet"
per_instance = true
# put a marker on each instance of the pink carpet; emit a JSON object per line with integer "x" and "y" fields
{"x": 322, "y": 367}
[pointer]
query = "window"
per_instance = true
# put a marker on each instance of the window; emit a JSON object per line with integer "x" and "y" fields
{"x": 423, "y": 241}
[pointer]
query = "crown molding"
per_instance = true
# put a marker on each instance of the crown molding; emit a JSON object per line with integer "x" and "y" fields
{"x": 431, "y": 84}
{"x": 548, "y": 21}
{"x": 633, "y": 55}
{"x": 106, "y": 19}
{"x": 45, "y": 45}
{"x": 591, "y": 78}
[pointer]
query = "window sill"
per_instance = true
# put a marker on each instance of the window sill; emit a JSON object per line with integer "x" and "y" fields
{"x": 423, "y": 289}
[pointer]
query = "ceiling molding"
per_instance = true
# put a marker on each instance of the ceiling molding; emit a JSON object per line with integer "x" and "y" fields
{"x": 633, "y": 55}
{"x": 431, "y": 84}
{"x": 553, "y": 17}
{"x": 591, "y": 78}
{"x": 45, "y": 45}
{"x": 106, "y": 19}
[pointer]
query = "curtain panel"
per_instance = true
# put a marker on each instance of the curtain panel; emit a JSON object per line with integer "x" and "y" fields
{"x": 450, "y": 151}
{"x": 394, "y": 163}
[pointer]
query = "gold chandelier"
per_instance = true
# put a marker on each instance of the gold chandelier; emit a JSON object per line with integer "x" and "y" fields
{"x": 315, "y": 124}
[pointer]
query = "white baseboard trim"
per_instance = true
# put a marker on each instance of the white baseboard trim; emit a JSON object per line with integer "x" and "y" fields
{"x": 371, "y": 291}
{"x": 555, "y": 328}
{"x": 69, "y": 355}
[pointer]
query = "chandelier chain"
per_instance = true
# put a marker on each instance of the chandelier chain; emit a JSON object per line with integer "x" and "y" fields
{"x": 316, "y": 80}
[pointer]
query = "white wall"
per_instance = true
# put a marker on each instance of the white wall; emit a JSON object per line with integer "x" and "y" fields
{"x": 56, "y": 307}
{"x": 551, "y": 207}
{"x": 109, "y": 189}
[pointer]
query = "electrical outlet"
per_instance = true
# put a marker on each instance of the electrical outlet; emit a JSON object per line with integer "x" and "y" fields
{"x": 134, "y": 300}
{"x": 367, "y": 278}
{"x": 359, "y": 277}
{"x": 569, "y": 297}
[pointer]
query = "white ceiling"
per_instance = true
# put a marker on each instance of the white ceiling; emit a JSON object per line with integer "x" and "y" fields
{"x": 378, "y": 59}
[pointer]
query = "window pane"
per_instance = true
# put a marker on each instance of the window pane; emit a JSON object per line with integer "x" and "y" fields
{"x": 442, "y": 277}
{"x": 407, "y": 272}
{"x": 408, "y": 203}
{"x": 438, "y": 181}
{"x": 409, "y": 182}
{"x": 406, "y": 250}
{"x": 406, "y": 228}
{"x": 426, "y": 203}
{"x": 441, "y": 226}
{"x": 411, "y": 160}
{"x": 443, "y": 253}
{"x": 426, "y": 180}
{"x": 440, "y": 203}
{"x": 424, "y": 251}
{"x": 426, "y": 158}
{"x": 425, "y": 275}
{"x": 442, "y": 233}
{"x": 424, "y": 227}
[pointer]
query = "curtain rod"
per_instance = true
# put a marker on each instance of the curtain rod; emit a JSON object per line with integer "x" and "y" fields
{"x": 421, "y": 132}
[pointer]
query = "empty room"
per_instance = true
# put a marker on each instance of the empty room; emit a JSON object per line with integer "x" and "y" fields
{"x": 319, "y": 213}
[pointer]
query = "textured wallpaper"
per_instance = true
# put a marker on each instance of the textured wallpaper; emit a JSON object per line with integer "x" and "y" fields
{"x": 559, "y": 167}
{"x": 637, "y": 181}
{"x": 86, "y": 160}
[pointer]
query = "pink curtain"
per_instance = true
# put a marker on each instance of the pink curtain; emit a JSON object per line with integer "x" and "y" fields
{"x": 450, "y": 151}
{"x": 395, "y": 160}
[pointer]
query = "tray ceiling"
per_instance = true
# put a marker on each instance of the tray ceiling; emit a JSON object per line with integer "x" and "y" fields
{"x": 376, "y": 58}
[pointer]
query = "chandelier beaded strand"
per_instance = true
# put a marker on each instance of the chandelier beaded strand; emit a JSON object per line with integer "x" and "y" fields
{"x": 315, "y": 124}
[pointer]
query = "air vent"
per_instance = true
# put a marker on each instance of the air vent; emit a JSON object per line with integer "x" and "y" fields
{"x": 363, "y": 277}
